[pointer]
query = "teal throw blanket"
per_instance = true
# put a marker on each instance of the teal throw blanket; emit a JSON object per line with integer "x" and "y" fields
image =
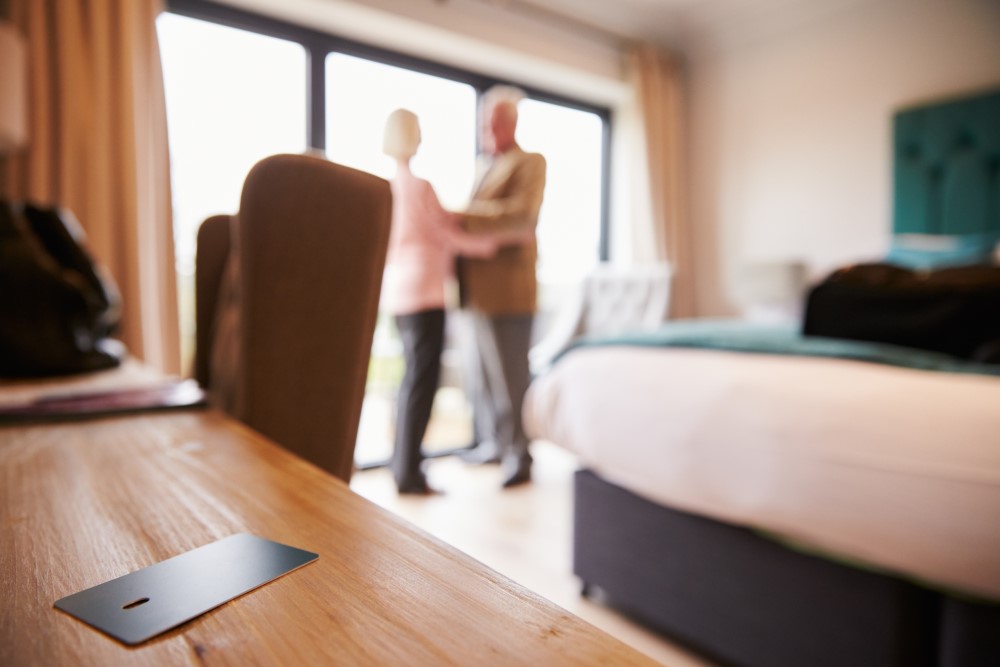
{"x": 738, "y": 336}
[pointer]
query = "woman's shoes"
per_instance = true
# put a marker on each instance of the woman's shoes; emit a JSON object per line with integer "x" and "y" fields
{"x": 416, "y": 487}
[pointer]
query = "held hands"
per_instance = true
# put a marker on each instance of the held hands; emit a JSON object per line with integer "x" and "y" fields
{"x": 482, "y": 245}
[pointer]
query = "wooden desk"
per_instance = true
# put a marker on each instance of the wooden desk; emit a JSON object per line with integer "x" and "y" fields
{"x": 85, "y": 502}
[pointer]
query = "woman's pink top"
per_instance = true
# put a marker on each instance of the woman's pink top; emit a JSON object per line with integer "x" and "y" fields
{"x": 421, "y": 253}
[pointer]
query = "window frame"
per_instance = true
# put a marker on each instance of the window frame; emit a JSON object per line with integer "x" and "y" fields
{"x": 318, "y": 45}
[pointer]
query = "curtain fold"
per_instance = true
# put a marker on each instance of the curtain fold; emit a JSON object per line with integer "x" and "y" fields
{"x": 657, "y": 80}
{"x": 98, "y": 147}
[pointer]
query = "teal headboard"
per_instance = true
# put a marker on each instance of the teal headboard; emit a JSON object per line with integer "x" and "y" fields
{"x": 947, "y": 168}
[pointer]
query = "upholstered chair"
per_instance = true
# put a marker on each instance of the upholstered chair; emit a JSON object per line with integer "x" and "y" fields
{"x": 610, "y": 300}
{"x": 287, "y": 296}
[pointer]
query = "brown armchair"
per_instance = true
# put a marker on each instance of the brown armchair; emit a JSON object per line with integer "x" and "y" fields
{"x": 287, "y": 296}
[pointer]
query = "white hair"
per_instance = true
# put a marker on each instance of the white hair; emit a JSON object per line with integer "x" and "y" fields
{"x": 402, "y": 134}
{"x": 504, "y": 95}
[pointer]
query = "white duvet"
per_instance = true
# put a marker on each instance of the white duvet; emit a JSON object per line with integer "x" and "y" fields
{"x": 894, "y": 467}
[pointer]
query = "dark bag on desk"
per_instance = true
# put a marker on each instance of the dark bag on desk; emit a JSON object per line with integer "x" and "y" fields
{"x": 955, "y": 311}
{"x": 57, "y": 309}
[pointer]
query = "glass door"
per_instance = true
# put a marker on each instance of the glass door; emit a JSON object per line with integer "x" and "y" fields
{"x": 360, "y": 96}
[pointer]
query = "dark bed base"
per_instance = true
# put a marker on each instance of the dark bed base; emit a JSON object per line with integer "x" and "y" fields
{"x": 747, "y": 601}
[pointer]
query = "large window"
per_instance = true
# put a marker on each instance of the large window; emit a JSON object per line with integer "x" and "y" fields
{"x": 233, "y": 97}
{"x": 240, "y": 87}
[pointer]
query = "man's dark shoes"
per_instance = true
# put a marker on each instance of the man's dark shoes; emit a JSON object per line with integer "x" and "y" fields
{"x": 516, "y": 471}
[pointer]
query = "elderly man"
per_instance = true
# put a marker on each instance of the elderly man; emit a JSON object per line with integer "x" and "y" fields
{"x": 499, "y": 293}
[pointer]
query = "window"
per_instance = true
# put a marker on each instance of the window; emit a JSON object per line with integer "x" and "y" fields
{"x": 569, "y": 226}
{"x": 241, "y": 86}
{"x": 233, "y": 97}
{"x": 360, "y": 96}
{"x": 362, "y": 93}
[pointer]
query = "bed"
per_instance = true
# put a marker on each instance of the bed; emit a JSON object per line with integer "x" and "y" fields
{"x": 773, "y": 498}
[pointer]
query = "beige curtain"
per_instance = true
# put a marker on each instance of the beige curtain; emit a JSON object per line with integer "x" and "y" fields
{"x": 657, "y": 80}
{"x": 98, "y": 147}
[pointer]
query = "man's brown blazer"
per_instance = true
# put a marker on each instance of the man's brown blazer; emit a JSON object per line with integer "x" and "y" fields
{"x": 507, "y": 197}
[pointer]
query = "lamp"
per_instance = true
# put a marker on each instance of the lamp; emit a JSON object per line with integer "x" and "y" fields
{"x": 13, "y": 90}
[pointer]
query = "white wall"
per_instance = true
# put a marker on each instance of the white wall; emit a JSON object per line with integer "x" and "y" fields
{"x": 790, "y": 145}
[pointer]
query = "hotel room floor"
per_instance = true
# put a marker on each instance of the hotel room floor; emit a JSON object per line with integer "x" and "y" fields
{"x": 523, "y": 533}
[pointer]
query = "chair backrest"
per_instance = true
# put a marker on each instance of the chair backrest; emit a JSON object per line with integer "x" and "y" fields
{"x": 618, "y": 299}
{"x": 611, "y": 300}
{"x": 209, "y": 266}
{"x": 307, "y": 257}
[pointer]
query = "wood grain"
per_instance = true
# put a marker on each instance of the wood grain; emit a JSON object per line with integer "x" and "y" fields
{"x": 86, "y": 502}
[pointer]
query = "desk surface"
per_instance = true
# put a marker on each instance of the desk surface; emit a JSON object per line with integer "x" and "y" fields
{"x": 85, "y": 502}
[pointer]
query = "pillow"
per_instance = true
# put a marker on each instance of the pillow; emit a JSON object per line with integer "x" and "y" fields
{"x": 935, "y": 251}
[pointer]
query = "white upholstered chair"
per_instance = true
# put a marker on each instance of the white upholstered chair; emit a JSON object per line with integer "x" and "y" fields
{"x": 611, "y": 300}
